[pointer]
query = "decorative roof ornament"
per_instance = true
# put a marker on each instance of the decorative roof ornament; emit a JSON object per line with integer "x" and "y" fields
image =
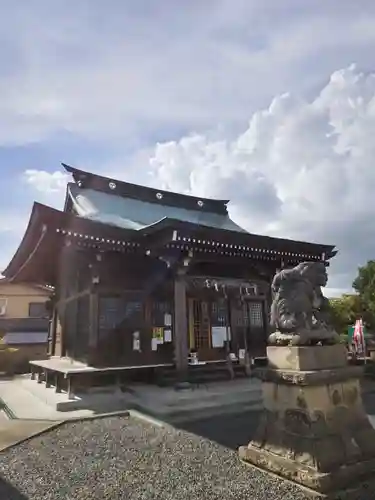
{"x": 112, "y": 185}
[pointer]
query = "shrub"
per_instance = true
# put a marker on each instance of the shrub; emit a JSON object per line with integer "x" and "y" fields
{"x": 344, "y": 339}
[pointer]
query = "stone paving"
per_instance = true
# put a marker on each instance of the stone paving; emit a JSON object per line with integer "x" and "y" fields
{"x": 28, "y": 399}
{"x": 13, "y": 432}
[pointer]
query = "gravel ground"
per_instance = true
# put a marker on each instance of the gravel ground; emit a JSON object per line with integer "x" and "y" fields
{"x": 124, "y": 458}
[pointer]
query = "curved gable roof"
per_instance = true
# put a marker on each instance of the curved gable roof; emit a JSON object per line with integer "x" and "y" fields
{"x": 147, "y": 194}
{"x": 131, "y": 213}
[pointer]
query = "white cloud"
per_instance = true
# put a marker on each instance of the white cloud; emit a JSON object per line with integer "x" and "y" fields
{"x": 138, "y": 73}
{"x": 109, "y": 74}
{"x": 46, "y": 182}
{"x": 302, "y": 169}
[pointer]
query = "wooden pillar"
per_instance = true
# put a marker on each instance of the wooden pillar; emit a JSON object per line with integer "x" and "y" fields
{"x": 65, "y": 289}
{"x": 52, "y": 333}
{"x": 54, "y": 330}
{"x": 57, "y": 382}
{"x": 93, "y": 327}
{"x": 266, "y": 317}
{"x": 180, "y": 327}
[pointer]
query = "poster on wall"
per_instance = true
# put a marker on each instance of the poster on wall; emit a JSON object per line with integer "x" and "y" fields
{"x": 154, "y": 344}
{"x": 158, "y": 334}
{"x": 168, "y": 335}
{"x": 136, "y": 341}
{"x": 167, "y": 319}
{"x": 219, "y": 335}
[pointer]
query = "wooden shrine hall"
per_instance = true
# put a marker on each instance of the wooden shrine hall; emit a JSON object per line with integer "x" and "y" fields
{"x": 149, "y": 278}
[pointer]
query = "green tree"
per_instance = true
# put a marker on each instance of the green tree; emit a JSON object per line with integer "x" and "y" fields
{"x": 364, "y": 285}
{"x": 345, "y": 310}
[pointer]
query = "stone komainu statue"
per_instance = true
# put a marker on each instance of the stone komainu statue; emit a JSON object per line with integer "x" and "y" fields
{"x": 300, "y": 314}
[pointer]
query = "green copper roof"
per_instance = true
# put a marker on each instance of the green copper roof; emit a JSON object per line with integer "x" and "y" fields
{"x": 134, "y": 214}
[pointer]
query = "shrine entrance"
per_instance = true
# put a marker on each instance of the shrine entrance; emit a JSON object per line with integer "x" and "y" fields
{"x": 212, "y": 323}
{"x": 249, "y": 326}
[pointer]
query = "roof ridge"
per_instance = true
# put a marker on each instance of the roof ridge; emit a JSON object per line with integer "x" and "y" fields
{"x": 144, "y": 193}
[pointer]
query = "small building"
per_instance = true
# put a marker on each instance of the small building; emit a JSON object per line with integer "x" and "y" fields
{"x": 145, "y": 277}
{"x": 24, "y": 323}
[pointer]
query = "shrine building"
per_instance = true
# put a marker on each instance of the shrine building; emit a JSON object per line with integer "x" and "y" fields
{"x": 145, "y": 278}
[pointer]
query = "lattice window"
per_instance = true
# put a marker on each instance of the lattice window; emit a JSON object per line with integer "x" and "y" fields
{"x": 242, "y": 316}
{"x": 159, "y": 310}
{"x": 113, "y": 311}
{"x": 256, "y": 314}
{"x": 202, "y": 326}
{"x": 219, "y": 313}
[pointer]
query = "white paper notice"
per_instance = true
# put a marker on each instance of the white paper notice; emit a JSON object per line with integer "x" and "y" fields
{"x": 241, "y": 353}
{"x": 136, "y": 341}
{"x": 167, "y": 320}
{"x": 154, "y": 344}
{"x": 167, "y": 335}
{"x": 136, "y": 345}
{"x": 219, "y": 335}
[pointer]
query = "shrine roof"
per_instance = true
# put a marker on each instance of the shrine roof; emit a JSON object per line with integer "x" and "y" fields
{"x": 127, "y": 190}
{"x": 136, "y": 214}
{"x": 37, "y": 257}
{"x": 105, "y": 214}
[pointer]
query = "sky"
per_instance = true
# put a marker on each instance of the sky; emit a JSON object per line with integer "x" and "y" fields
{"x": 270, "y": 104}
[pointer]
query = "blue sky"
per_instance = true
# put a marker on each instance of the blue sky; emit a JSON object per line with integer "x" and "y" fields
{"x": 230, "y": 98}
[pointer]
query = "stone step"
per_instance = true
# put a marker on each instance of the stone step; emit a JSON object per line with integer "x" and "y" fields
{"x": 254, "y": 394}
{"x": 199, "y": 413}
{"x": 207, "y": 397}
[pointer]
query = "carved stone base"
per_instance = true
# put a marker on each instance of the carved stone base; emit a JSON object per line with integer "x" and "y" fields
{"x": 314, "y": 429}
{"x": 327, "y": 483}
{"x": 306, "y": 338}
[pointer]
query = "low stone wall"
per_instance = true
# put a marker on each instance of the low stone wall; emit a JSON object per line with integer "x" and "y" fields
{"x": 15, "y": 359}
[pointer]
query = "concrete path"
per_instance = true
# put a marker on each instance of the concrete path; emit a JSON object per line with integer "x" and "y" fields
{"x": 27, "y": 404}
{"x": 202, "y": 402}
{"x": 28, "y": 399}
{"x": 30, "y": 415}
{"x": 36, "y": 409}
{"x": 13, "y": 432}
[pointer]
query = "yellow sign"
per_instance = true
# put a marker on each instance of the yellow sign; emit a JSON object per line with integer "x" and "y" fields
{"x": 158, "y": 333}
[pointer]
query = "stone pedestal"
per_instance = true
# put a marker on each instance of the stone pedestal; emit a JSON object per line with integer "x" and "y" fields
{"x": 314, "y": 429}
